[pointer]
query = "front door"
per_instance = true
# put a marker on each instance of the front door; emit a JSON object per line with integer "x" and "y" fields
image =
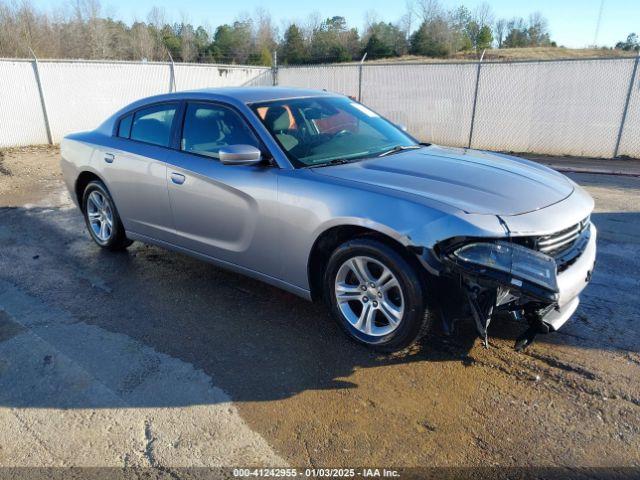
{"x": 224, "y": 211}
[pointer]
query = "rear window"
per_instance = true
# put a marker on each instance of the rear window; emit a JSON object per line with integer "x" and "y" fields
{"x": 153, "y": 125}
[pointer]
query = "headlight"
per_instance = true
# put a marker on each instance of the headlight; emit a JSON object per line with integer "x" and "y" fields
{"x": 521, "y": 264}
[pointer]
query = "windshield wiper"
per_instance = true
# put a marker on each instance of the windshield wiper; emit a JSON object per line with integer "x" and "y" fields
{"x": 335, "y": 161}
{"x": 399, "y": 148}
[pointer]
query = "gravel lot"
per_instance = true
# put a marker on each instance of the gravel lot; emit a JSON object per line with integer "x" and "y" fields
{"x": 151, "y": 358}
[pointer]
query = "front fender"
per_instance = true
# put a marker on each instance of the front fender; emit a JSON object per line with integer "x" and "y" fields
{"x": 311, "y": 204}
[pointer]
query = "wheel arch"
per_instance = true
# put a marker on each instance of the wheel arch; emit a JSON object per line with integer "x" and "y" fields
{"x": 85, "y": 177}
{"x": 329, "y": 239}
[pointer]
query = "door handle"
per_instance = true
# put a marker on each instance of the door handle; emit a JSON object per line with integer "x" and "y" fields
{"x": 109, "y": 157}
{"x": 177, "y": 178}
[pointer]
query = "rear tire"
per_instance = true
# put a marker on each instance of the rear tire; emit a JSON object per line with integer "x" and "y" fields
{"x": 102, "y": 219}
{"x": 376, "y": 295}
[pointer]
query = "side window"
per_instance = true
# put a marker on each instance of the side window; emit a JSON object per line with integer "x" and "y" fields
{"x": 124, "y": 129}
{"x": 207, "y": 128}
{"x": 153, "y": 125}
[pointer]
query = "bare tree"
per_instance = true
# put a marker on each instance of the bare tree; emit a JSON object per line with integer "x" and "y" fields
{"x": 97, "y": 30}
{"x": 188, "y": 50}
{"x": 156, "y": 20}
{"x": 312, "y": 24}
{"x": 406, "y": 21}
{"x": 266, "y": 32}
{"x": 538, "y": 30}
{"x": 157, "y": 17}
{"x": 370, "y": 18}
{"x": 143, "y": 45}
{"x": 429, "y": 10}
{"x": 499, "y": 31}
{"x": 9, "y": 33}
{"x": 483, "y": 15}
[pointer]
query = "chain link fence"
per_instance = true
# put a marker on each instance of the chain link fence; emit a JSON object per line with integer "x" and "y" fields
{"x": 44, "y": 100}
{"x": 580, "y": 107}
{"x": 587, "y": 107}
{"x": 21, "y": 118}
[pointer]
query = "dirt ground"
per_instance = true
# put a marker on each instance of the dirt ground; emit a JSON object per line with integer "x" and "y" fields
{"x": 151, "y": 358}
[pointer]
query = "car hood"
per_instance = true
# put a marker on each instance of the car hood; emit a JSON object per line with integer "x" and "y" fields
{"x": 470, "y": 180}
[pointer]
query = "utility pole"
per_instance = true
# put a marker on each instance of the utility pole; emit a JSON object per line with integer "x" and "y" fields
{"x": 595, "y": 36}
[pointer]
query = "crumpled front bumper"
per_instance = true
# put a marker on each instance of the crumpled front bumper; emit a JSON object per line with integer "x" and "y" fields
{"x": 571, "y": 282}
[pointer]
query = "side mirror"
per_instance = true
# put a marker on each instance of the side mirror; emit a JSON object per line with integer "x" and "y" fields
{"x": 240, "y": 155}
{"x": 401, "y": 127}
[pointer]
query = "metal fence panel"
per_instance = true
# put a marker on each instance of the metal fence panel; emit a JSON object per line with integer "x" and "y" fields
{"x": 554, "y": 107}
{"x": 630, "y": 141}
{"x": 564, "y": 107}
{"x": 80, "y": 96}
{"x": 433, "y": 101}
{"x": 193, "y": 76}
{"x": 263, "y": 79}
{"x": 21, "y": 118}
{"x": 335, "y": 78}
{"x": 558, "y": 108}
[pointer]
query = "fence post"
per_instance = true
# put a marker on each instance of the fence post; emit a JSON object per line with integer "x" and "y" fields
{"x": 360, "y": 76}
{"x": 626, "y": 106}
{"x": 172, "y": 74}
{"x": 475, "y": 100}
{"x": 274, "y": 68}
{"x": 45, "y": 114}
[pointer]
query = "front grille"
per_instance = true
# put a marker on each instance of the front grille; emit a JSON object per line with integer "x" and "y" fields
{"x": 558, "y": 242}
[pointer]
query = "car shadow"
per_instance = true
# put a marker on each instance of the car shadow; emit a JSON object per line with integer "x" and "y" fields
{"x": 256, "y": 342}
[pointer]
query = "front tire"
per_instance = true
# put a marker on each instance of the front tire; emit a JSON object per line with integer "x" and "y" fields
{"x": 102, "y": 219}
{"x": 376, "y": 295}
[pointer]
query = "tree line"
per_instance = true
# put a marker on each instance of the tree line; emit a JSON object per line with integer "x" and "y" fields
{"x": 631, "y": 44}
{"x": 82, "y": 29}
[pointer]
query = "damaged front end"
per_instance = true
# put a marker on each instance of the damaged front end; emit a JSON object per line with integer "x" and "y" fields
{"x": 505, "y": 275}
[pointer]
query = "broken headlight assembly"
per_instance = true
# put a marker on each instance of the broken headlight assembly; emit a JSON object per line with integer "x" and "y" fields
{"x": 496, "y": 273}
{"x": 527, "y": 271}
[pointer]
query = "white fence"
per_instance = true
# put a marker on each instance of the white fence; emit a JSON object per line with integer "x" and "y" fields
{"x": 567, "y": 107}
{"x": 41, "y": 102}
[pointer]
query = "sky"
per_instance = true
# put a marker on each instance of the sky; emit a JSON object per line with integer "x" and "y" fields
{"x": 572, "y": 22}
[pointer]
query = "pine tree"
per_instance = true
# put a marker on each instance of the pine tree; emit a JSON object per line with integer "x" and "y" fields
{"x": 293, "y": 49}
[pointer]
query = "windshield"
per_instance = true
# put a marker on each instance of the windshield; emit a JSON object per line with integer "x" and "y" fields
{"x": 318, "y": 131}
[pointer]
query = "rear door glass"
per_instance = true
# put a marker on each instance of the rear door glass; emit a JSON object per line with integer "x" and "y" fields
{"x": 153, "y": 125}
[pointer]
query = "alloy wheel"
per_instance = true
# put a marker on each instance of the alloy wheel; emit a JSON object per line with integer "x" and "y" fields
{"x": 369, "y": 296}
{"x": 100, "y": 215}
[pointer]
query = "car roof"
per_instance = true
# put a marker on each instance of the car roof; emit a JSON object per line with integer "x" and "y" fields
{"x": 233, "y": 95}
{"x": 260, "y": 94}
{"x": 246, "y": 95}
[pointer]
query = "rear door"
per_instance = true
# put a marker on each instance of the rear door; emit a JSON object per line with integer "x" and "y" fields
{"x": 137, "y": 170}
{"x": 223, "y": 211}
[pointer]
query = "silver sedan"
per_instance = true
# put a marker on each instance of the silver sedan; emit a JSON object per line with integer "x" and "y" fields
{"x": 319, "y": 195}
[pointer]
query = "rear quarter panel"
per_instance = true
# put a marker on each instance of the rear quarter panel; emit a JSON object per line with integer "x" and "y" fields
{"x": 75, "y": 157}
